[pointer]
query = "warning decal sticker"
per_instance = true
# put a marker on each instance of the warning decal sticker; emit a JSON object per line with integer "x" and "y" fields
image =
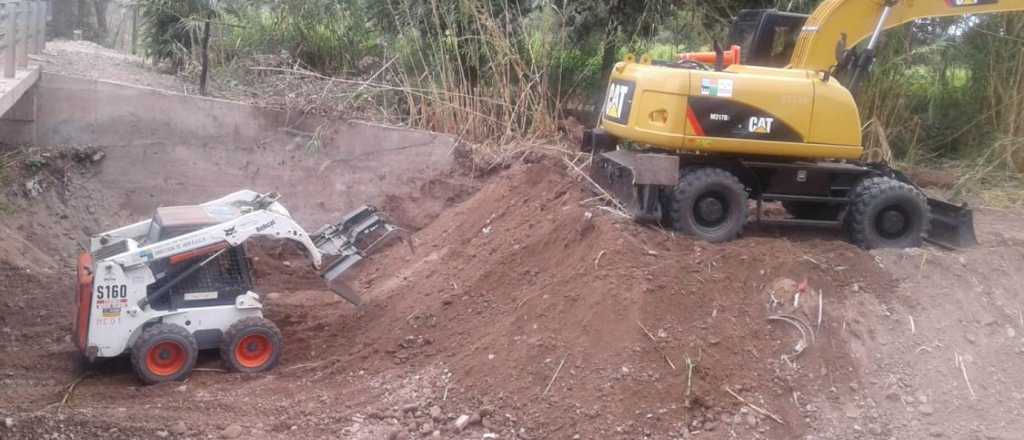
{"x": 721, "y": 88}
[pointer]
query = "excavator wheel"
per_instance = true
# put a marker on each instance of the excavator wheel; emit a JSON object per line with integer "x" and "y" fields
{"x": 710, "y": 204}
{"x": 887, "y": 213}
{"x": 813, "y": 211}
{"x": 252, "y": 345}
{"x": 164, "y": 353}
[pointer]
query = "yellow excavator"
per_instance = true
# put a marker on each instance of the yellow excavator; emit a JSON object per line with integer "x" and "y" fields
{"x": 689, "y": 143}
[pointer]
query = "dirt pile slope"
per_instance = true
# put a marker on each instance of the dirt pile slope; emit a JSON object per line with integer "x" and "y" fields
{"x": 534, "y": 304}
{"x": 536, "y": 313}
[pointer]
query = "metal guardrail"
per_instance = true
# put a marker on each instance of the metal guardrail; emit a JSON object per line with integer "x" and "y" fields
{"x": 24, "y": 32}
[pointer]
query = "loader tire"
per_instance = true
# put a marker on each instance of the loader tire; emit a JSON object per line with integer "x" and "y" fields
{"x": 887, "y": 213}
{"x": 252, "y": 345}
{"x": 812, "y": 210}
{"x": 164, "y": 353}
{"x": 710, "y": 204}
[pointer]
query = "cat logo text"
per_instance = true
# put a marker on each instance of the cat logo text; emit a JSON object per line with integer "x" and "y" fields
{"x": 761, "y": 125}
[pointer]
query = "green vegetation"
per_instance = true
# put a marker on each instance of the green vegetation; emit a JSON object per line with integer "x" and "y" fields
{"x": 493, "y": 70}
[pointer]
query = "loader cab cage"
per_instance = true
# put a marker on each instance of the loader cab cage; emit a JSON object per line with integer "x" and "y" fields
{"x": 767, "y": 36}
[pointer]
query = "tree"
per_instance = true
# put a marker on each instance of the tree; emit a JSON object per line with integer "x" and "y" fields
{"x": 173, "y": 27}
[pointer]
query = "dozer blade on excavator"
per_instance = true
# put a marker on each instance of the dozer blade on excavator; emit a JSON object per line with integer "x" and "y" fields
{"x": 632, "y": 180}
{"x": 348, "y": 241}
{"x": 952, "y": 226}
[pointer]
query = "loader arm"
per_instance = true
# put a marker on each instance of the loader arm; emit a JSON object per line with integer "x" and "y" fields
{"x": 858, "y": 20}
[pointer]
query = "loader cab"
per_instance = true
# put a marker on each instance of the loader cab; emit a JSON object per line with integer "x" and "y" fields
{"x": 217, "y": 283}
{"x": 766, "y": 36}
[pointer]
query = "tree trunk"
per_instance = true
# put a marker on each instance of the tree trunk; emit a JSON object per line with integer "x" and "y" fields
{"x": 205, "y": 58}
{"x": 101, "y": 18}
{"x": 609, "y": 53}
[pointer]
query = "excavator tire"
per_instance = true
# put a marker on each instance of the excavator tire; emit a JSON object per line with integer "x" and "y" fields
{"x": 710, "y": 204}
{"x": 813, "y": 211}
{"x": 252, "y": 345}
{"x": 887, "y": 213}
{"x": 164, "y": 353}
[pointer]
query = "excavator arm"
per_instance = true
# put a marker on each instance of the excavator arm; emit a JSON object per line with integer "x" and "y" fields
{"x": 861, "y": 19}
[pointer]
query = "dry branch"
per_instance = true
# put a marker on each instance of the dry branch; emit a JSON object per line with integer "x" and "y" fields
{"x": 554, "y": 376}
{"x": 656, "y": 347}
{"x": 755, "y": 407}
{"x": 70, "y": 390}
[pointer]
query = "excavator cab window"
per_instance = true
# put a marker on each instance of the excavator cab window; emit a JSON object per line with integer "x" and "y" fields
{"x": 767, "y": 36}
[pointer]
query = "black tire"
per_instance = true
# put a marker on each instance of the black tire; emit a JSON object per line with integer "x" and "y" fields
{"x": 887, "y": 213}
{"x": 710, "y": 204}
{"x": 164, "y": 353}
{"x": 813, "y": 211}
{"x": 252, "y": 345}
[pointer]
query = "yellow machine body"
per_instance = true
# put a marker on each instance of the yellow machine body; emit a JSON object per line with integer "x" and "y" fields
{"x": 742, "y": 110}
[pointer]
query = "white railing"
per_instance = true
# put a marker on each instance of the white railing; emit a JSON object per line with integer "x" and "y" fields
{"x": 24, "y": 29}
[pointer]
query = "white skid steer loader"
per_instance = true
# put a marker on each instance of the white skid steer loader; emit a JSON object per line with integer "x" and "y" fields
{"x": 164, "y": 288}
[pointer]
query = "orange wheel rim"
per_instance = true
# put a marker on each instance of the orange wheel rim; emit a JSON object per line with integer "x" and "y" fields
{"x": 253, "y": 351}
{"x": 166, "y": 358}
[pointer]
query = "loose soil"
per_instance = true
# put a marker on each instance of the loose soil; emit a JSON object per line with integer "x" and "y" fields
{"x": 539, "y": 314}
{"x": 524, "y": 306}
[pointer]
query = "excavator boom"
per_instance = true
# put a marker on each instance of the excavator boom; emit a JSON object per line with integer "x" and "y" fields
{"x": 859, "y": 19}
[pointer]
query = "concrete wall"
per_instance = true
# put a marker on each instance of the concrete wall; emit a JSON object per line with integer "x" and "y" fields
{"x": 166, "y": 148}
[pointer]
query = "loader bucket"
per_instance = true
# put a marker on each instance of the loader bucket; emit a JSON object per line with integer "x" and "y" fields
{"x": 348, "y": 242}
{"x": 952, "y": 226}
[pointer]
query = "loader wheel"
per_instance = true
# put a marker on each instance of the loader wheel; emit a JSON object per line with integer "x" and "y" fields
{"x": 164, "y": 353}
{"x": 813, "y": 211}
{"x": 709, "y": 203}
{"x": 252, "y": 345}
{"x": 886, "y": 213}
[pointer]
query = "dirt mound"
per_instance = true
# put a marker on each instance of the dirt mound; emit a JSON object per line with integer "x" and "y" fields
{"x": 535, "y": 314}
{"x": 534, "y": 303}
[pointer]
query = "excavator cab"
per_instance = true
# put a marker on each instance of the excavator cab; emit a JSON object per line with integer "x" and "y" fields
{"x": 767, "y": 37}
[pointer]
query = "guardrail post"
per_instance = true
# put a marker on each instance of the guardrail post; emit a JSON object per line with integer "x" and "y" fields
{"x": 41, "y": 26}
{"x": 23, "y": 36}
{"x": 10, "y": 39}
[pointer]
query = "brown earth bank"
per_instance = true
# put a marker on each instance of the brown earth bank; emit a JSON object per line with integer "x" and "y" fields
{"x": 538, "y": 314}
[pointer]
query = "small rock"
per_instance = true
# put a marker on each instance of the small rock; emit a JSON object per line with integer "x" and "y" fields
{"x": 410, "y": 407}
{"x": 750, "y": 420}
{"x": 178, "y": 428}
{"x": 926, "y": 409}
{"x": 485, "y": 411}
{"x": 710, "y": 426}
{"x": 875, "y": 429}
{"x": 97, "y": 156}
{"x": 232, "y": 431}
{"x": 1010, "y": 332}
{"x": 393, "y": 435}
{"x": 435, "y": 413}
{"x": 462, "y": 422}
{"x": 162, "y": 434}
{"x": 489, "y": 436}
{"x": 287, "y": 264}
{"x": 8, "y": 423}
{"x": 426, "y": 428}
{"x": 936, "y": 432}
{"x": 475, "y": 419}
{"x": 851, "y": 411}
